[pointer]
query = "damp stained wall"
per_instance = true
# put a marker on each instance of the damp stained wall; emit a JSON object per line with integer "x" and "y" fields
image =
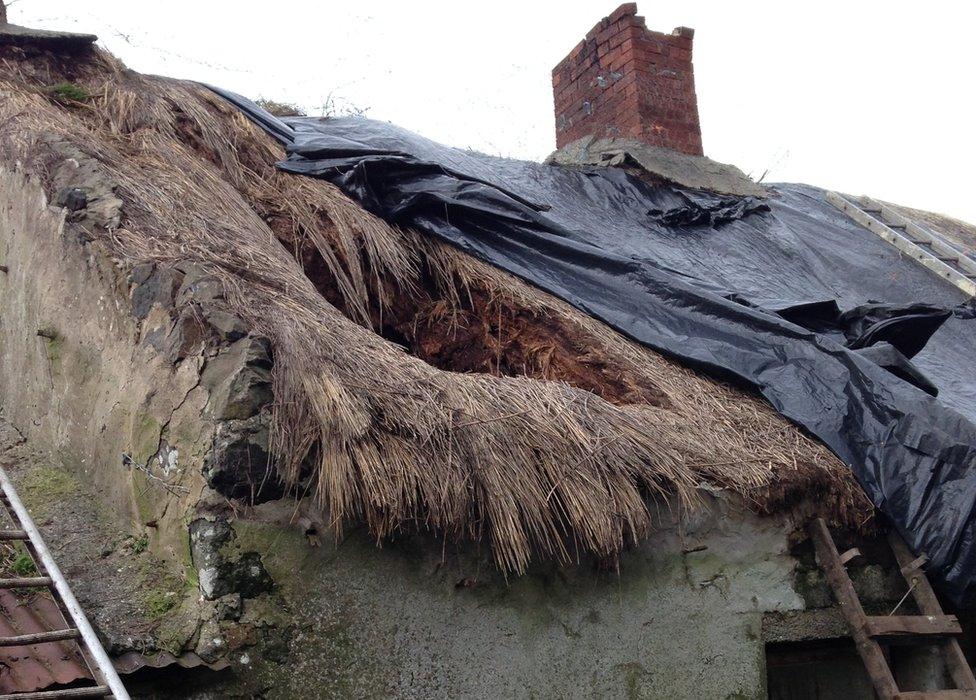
{"x": 681, "y": 619}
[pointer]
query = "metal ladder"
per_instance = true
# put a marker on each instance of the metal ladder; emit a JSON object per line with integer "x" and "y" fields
{"x": 933, "y": 626}
{"x": 918, "y": 243}
{"x": 107, "y": 682}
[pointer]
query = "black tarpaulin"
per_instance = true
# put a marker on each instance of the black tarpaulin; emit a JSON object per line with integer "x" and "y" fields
{"x": 827, "y": 321}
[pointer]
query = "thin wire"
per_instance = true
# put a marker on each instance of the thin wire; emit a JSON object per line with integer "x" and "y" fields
{"x": 910, "y": 589}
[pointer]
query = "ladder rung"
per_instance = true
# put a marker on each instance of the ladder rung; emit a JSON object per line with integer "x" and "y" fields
{"x": 850, "y": 607}
{"x": 39, "y": 638}
{"x": 849, "y": 556}
{"x": 35, "y": 582}
{"x": 914, "y": 567}
{"x": 902, "y": 626}
{"x": 901, "y": 226}
{"x": 956, "y": 663}
{"x": 13, "y": 535}
{"x": 871, "y": 211}
{"x": 95, "y": 691}
{"x": 952, "y": 259}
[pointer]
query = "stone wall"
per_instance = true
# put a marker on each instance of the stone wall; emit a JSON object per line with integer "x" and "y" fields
{"x": 134, "y": 384}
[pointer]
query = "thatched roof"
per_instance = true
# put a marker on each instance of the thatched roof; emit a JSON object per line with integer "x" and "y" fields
{"x": 432, "y": 391}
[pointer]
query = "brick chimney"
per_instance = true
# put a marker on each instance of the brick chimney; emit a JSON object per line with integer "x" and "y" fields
{"x": 625, "y": 80}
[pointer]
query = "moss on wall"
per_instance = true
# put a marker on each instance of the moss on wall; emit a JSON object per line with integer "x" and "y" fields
{"x": 43, "y": 487}
{"x": 145, "y": 435}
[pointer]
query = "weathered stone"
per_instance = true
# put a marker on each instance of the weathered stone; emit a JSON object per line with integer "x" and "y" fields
{"x": 277, "y": 645}
{"x": 140, "y": 273}
{"x": 230, "y": 607}
{"x": 222, "y": 570}
{"x": 657, "y": 164}
{"x": 212, "y": 645}
{"x": 186, "y": 336}
{"x": 198, "y": 286}
{"x": 239, "y": 380}
{"x": 71, "y": 198}
{"x": 206, "y": 292}
{"x": 78, "y": 171}
{"x": 206, "y": 538}
{"x": 240, "y": 464}
{"x": 226, "y": 325}
{"x": 157, "y": 286}
{"x": 240, "y": 636}
{"x": 247, "y": 575}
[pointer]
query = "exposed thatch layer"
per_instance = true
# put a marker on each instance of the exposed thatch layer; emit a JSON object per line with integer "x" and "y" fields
{"x": 958, "y": 233}
{"x": 559, "y": 459}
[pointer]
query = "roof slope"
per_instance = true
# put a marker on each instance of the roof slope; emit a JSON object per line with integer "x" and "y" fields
{"x": 422, "y": 388}
{"x": 787, "y": 295}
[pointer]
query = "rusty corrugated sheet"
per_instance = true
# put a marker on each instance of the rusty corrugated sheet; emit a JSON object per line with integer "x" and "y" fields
{"x": 37, "y": 666}
{"x": 43, "y": 666}
{"x": 133, "y": 661}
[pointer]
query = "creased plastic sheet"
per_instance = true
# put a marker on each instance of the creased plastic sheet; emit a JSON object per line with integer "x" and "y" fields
{"x": 789, "y": 295}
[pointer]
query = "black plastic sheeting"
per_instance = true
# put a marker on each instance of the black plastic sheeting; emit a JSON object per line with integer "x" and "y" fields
{"x": 788, "y": 295}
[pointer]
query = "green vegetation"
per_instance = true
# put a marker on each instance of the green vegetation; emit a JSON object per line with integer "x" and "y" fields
{"x": 283, "y": 551}
{"x": 140, "y": 544}
{"x": 158, "y": 602}
{"x": 160, "y": 589}
{"x": 146, "y": 432}
{"x": 172, "y": 637}
{"x": 141, "y": 490}
{"x": 189, "y": 570}
{"x": 15, "y": 560}
{"x": 69, "y": 92}
{"x": 23, "y": 565}
{"x": 44, "y": 486}
{"x": 161, "y": 597}
{"x": 280, "y": 109}
{"x": 54, "y": 343}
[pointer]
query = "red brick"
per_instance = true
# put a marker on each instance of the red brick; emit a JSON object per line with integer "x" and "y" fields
{"x": 628, "y": 8}
{"x": 637, "y": 82}
{"x": 617, "y": 39}
{"x": 679, "y": 54}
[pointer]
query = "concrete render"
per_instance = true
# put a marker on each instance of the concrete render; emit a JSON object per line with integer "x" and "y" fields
{"x": 681, "y": 619}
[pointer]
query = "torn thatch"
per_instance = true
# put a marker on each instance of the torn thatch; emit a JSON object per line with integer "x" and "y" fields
{"x": 559, "y": 457}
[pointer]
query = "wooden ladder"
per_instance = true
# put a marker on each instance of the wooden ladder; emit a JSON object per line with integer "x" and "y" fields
{"x": 916, "y": 242}
{"x": 933, "y": 626}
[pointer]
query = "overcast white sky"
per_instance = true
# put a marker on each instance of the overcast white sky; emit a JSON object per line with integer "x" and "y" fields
{"x": 865, "y": 97}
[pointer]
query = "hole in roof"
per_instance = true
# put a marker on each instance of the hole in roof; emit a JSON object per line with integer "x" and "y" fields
{"x": 480, "y": 332}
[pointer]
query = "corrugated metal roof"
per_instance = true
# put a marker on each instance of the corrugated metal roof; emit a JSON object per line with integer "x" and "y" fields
{"x": 37, "y": 666}
{"x": 132, "y": 661}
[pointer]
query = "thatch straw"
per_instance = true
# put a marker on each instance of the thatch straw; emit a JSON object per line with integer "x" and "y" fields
{"x": 561, "y": 460}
